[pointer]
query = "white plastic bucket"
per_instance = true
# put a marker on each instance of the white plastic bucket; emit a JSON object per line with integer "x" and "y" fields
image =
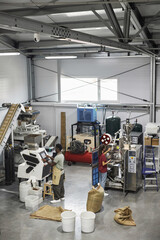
{"x": 35, "y": 192}
{"x": 31, "y": 202}
{"x": 24, "y": 188}
{"x": 68, "y": 221}
{"x": 87, "y": 221}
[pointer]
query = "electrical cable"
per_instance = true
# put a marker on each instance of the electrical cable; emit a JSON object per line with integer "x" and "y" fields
{"x": 118, "y": 74}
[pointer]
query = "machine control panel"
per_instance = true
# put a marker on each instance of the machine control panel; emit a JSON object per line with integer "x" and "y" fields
{"x": 132, "y": 162}
{"x": 44, "y": 155}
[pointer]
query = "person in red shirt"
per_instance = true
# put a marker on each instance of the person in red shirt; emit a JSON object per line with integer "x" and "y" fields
{"x": 103, "y": 165}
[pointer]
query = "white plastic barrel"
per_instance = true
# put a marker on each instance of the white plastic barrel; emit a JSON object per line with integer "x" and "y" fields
{"x": 87, "y": 221}
{"x": 24, "y": 188}
{"x": 68, "y": 221}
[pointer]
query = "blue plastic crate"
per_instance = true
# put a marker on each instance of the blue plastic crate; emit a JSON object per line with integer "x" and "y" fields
{"x": 95, "y": 176}
{"x": 86, "y": 114}
{"x": 95, "y": 157}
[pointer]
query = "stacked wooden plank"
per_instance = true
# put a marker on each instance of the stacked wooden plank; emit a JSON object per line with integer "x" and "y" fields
{"x": 63, "y": 130}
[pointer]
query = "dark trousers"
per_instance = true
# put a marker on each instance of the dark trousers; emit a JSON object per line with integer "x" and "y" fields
{"x": 59, "y": 189}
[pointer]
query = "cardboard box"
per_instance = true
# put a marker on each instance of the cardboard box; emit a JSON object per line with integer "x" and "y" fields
{"x": 28, "y": 108}
{"x": 68, "y": 141}
{"x": 148, "y": 141}
{"x": 155, "y": 141}
{"x": 33, "y": 138}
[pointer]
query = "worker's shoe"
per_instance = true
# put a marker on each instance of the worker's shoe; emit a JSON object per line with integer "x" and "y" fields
{"x": 55, "y": 201}
{"x": 105, "y": 194}
{"x": 63, "y": 198}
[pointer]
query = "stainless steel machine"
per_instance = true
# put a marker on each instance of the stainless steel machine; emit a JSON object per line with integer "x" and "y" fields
{"x": 124, "y": 171}
{"x": 26, "y": 126}
{"x": 133, "y": 173}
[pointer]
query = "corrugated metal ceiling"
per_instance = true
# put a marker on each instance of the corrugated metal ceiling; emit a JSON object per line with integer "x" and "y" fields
{"x": 114, "y": 23}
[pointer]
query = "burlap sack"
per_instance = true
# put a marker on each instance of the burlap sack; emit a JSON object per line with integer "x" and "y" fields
{"x": 56, "y": 175}
{"x": 95, "y": 198}
{"x": 124, "y": 216}
{"x": 47, "y": 212}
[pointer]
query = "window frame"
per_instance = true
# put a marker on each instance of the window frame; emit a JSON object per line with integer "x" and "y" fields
{"x": 98, "y": 92}
{"x": 108, "y": 101}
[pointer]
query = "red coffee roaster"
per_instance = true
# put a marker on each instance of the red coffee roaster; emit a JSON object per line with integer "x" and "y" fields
{"x": 82, "y": 157}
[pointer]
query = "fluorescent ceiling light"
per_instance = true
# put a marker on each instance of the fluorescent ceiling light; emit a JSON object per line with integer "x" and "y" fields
{"x": 10, "y": 54}
{"x": 60, "y": 57}
{"x": 116, "y": 10}
{"x": 89, "y": 29}
{"x": 86, "y": 13}
{"x": 80, "y": 41}
{"x": 76, "y": 14}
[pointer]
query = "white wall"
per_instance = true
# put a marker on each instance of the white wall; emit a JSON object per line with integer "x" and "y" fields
{"x": 135, "y": 82}
{"x": 50, "y": 117}
{"x": 46, "y": 79}
{"x": 13, "y": 81}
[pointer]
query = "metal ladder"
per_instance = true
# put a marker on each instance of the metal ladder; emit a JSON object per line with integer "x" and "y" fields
{"x": 7, "y": 124}
{"x": 149, "y": 169}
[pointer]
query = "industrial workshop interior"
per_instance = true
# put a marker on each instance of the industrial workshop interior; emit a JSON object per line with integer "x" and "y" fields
{"x": 79, "y": 119}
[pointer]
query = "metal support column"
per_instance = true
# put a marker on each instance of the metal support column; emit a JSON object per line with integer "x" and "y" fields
{"x": 99, "y": 90}
{"x": 153, "y": 90}
{"x": 32, "y": 80}
{"x": 29, "y": 79}
{"x": 127, "y": 14}
{"x": 59, "y": 79}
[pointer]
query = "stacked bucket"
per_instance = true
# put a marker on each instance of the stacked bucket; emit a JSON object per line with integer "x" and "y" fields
{"x": 32, "y": 197}
{"x": 87, "y": 221}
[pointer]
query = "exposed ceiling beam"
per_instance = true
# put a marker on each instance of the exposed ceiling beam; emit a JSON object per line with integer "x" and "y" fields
{"x": 5, "y": 31}
{"x": 138, "y": 22}
{"x": 70, "y": 3}
{"x": 156, "y": 36}
{"x": 146, "y": 24}
{"x": 152, "y": 48}
{"x": 105, "y": 23}
{"x": 81, "y": 53}
{"x": 126, "y": 28}
{"x": 52, "y": 10}
{"x": 147, "y": 19}
{"x": 87, "y": 24}
{"x": 6, "y": 41}
{"x": 73, "y": 50}
{"x": 9, "y": 21}
{"x": 43, "y": 44}
{"x": 48, "y": 44}
{"x": 113, "y": 21}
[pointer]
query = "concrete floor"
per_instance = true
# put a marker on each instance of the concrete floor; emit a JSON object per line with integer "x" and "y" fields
{"x": 15, "y": 223}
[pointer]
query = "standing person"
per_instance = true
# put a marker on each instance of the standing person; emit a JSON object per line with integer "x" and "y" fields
{"x": 103, "y": 166}
{"x": 58, "y": 174}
